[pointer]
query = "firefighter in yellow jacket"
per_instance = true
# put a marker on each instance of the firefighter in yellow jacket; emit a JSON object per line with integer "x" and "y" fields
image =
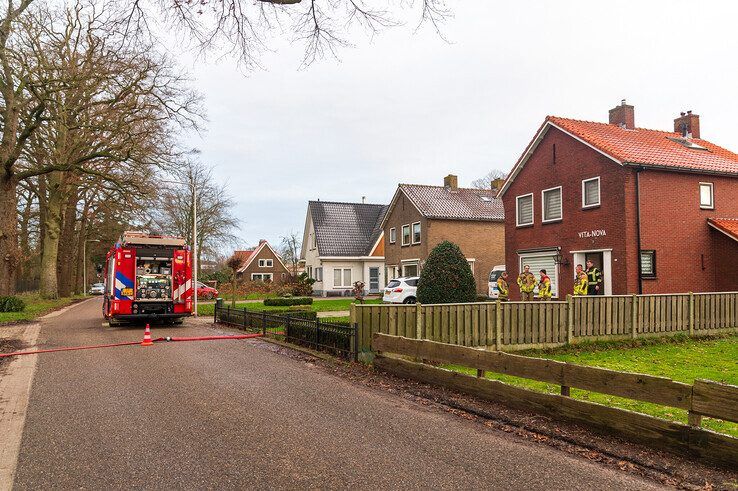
{"x": 580, "y": 282}
{"x": 526, "y": 283}
{"x": 544, "y": 287}
{"x": 503, "y": 289}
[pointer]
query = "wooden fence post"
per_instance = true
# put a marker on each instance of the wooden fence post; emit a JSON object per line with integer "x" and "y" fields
{"x": 634, "y": 317}
{"x": 418, "y": 321}
{"x": 691, "y": 314}
{"x": 498, "y": 325}
{"x": 569, "y": 319}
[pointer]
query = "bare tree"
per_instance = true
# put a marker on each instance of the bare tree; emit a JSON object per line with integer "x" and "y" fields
{"x": 290, "y": 251}
{"x": 486, "y": 181}
{"x": 216, "y": 224}
{"x": 114, "y": 112}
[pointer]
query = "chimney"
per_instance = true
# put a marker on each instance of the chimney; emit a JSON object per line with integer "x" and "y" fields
{"x": 623, "y": 115}
{"x": 687, "y": 125}
{"x": 497, "y": 183}
{"x": 451, "y": 182}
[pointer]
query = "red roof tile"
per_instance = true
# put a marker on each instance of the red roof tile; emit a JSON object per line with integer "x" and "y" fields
{"x": 728, "y": 226}
{"x": 650, "y": 147}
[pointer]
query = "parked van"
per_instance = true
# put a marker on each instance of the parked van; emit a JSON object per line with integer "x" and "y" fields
{"x": 493, "y": 276}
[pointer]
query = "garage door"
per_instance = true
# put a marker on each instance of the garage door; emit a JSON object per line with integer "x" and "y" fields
{"x": 541, "y": 261}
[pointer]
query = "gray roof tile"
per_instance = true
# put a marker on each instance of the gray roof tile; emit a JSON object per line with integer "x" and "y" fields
{"x": 346, "y": 229}
{"x": 463, "y": 204}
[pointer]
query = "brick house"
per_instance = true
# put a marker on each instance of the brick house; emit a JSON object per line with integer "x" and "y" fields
{"x": 262, "y": 263}
{"x": 655, "y": 210}
{"x": 421, "y": 216}
{"x": 341, "y": 244}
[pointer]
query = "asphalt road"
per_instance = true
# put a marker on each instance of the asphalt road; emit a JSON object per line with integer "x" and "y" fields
{"x": 232, "y": 414}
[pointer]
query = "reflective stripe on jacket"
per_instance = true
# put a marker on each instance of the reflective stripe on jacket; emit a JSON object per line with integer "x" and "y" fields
{"x": 594, "y": 276}
{"x": 580, "y": 285}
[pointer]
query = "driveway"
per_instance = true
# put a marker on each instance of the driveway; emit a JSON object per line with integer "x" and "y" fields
{"x": 237, "y": 414}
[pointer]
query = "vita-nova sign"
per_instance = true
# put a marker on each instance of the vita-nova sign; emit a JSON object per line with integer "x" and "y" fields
{"x": 592, "y": 233}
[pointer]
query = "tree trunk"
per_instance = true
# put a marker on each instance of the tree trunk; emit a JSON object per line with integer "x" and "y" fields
{"x": 67, "y": 244}
{"x": 50, "y": 241}
{"x": 81, "y": 263}
{"x": 9, "y": 254}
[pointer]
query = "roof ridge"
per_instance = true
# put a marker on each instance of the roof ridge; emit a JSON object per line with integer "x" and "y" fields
{"x": 552, "y": 117}
{"x": 344, "y": 203}
{"x": 443, "y": 187}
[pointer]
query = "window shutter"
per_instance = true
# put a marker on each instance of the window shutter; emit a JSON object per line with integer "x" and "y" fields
{"x": 591, "y": 193}
{"x": 552, "y": 204}
{"x": 525, "y": 210}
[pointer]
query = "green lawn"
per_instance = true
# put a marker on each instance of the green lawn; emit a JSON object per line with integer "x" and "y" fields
{"x": 35, "y": 307}
{"x": 343, "y": 304}
{"x": 680, "y": 359}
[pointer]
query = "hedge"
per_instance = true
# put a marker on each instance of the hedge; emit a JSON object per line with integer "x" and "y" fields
{"x": 286, "y": 302}
{"x": 446, "y": 277}
{"x": 11, "y": 304}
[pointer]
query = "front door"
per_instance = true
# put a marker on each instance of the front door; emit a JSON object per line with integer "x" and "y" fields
{"x": 598, "y": 262}
{"x": 373, "y": 280}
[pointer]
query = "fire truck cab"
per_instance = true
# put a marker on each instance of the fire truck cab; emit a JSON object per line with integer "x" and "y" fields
{"x": 147, "y": 277}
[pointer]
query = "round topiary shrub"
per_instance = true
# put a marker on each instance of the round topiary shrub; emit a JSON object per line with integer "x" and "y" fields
{"x": 446, "y": 277}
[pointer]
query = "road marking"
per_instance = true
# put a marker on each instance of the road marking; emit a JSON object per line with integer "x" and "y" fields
{"x": 15, "y": 386}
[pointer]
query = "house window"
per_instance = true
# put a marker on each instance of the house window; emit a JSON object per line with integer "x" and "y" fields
{"x": 393, "y": 235}
{"x": 416, "y": 233}
{"x": 406, "y": 235}
{"x": 707, "y": 201}
{"x": 265, "y": 277}
{"x": 471, "y": 264}
{"x": 524, "y": 210}
{"x": 410, "y": 270}
{"x": 392, "y": 272}
{"x": 648, "y": 264}
{"x": 310, "y": 272}
{"x": 551, "y": 204}
{"x": 591, "y": 192}
{"x": 319, "y": 274}
{"x": 266, "y": 263}
{"x": 342, "y": 277}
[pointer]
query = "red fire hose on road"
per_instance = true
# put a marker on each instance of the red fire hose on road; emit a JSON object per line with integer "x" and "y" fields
{"x": 130, "y": 343}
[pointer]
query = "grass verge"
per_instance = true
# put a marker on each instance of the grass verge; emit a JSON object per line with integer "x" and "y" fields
{"x": 35, "y": 307}
{"x": 317, "y": 306}
{"x": 681, "y": 359}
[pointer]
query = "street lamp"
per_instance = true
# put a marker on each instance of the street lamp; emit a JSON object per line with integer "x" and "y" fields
{"x": 194, "y": 238}
{"x": 84, "y": 265}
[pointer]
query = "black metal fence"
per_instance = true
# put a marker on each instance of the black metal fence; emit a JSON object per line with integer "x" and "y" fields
{"x": 303, "y": 328}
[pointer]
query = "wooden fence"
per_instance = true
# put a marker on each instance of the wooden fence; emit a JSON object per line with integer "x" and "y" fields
{"x": 521, "y": 325}
{"x": 703, "y": 398}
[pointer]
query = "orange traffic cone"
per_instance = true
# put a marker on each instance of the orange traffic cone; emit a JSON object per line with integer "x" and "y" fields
{"x": 147, "y": 337}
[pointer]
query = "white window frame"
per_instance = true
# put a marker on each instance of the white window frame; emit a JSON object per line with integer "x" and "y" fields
{"x": 584, "y": 193}
{"x": 410, "y": 264}
{"x": 409, "y": 235}
{"x": 343, "y": 275}
{"x": 533, "y": 210}
{"x": 543, "y": 205}
{"x": 392, "y": 235}
{"x": 262, "y": 275}
{"x": 266, "y": 263}
{"x": 318, "y": 274}
{"x": 471, "y": 264}
{"x": 711, "y": 206}
{"x": 412, "y": 233}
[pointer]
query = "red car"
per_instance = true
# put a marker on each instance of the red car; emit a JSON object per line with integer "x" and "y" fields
{"x": 205, "y": 292}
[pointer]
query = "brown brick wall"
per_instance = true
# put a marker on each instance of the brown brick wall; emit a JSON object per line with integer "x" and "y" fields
{"x": 482, "y": 241}
{"x": 404, "y": 213}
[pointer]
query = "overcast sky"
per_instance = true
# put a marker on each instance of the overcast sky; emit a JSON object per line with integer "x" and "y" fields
{"x": 411, "y": 108}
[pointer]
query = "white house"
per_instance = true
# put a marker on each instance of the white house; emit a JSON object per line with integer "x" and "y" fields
{"x": 343, "y": 243}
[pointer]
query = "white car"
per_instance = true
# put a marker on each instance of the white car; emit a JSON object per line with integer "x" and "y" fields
{"x": 493, "y": 276}
{"x": 97, "y": 289}
{"x": 401, "y": 290}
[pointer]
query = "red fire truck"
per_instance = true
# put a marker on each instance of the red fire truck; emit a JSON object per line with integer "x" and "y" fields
{"x": 148, "y": 277}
